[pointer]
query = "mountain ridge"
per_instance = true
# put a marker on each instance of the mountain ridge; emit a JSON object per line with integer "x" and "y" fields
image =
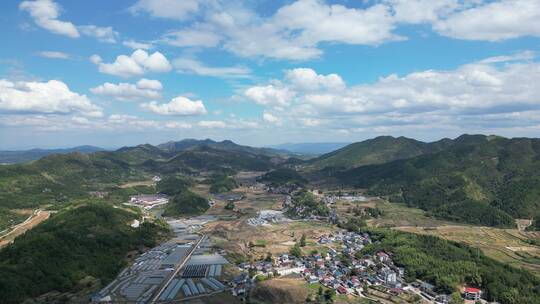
{"x": 476, "y": 172}
{"x": 20, "y": 156}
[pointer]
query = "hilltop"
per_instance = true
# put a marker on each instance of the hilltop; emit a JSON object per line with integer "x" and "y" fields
{"x": 378, "y": 150}
{"x": 225, "y": 145}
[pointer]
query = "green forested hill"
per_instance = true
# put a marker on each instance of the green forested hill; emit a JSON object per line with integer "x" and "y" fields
{"x": 222, "y": 183}
{"x": 210, "y": 159}
{"x": 59, "y": 177}
{"x": 186, "y": 203}
{"x": 376, "y": 151}
{"x": 283, "y": 176}
{"x": 140, "y": 154}
{"x": 88, "y": 241}
{"x": 226, "y": 145}
{"x": 477, "y": 179}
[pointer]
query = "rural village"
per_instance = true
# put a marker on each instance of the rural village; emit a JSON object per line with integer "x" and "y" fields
{"x": 190, "y": 267}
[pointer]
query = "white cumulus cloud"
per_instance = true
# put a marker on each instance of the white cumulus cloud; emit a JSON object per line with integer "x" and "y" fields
{"x": 270, "y": 95}
{"x": 307, "y": 79}
{"x": 51, "y": 97}
{"x": 144, "y": 89}
{"x": 493, "y": 21}
{"x": 500, "y": 87}
{"x": 137, "y": 64}
{"x": 297, "y": 30}
{"x": 45, "y": 13}
{"x": 181, "y": 106}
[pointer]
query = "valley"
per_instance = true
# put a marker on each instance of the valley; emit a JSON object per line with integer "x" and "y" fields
{"x": 288, "y": 233}
{"x": 270, "y": 152}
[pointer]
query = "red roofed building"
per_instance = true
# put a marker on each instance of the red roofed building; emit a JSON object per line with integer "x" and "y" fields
{"x": 342, "y": 290}
{"x": 472, "y": 293}
{"x": 382, "y": 256}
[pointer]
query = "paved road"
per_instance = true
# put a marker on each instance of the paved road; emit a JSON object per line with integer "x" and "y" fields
{"x": 177, "y": 269}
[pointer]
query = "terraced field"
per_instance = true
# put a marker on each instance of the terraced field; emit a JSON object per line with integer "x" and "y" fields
{"x": 505, "y": 245}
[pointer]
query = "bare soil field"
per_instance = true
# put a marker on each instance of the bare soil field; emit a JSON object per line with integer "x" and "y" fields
{"x": 256, "y": 242}
{"x": 253, "y": 201}
{"x": 21, "y": 228}
{"x": 280, "y": 290}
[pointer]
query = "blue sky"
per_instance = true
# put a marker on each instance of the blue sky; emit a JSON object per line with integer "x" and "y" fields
{"x": 113, "y": 73}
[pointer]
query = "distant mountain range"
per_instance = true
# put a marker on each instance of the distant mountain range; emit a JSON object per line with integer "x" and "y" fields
{"x": 21, "y": 156}
{"x": 477, "y": 179}
{"x": 72, "y": 175}
{"x": 164, "y": 150}
{"x": 310, "y": 148}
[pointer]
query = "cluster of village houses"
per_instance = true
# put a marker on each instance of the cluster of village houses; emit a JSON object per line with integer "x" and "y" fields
{"x": 347, "y": 275}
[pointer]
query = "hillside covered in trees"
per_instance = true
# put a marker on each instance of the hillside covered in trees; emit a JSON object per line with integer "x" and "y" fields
{"x": 450, "y": 265}
{"x": 222, "y": 183}
{"x": 378, "y": 150}
{"x": 477, "y": 179}
{"x": 283, "y": 176}
{"x": 186, "y": 203}
{"x": 78, "y": 244}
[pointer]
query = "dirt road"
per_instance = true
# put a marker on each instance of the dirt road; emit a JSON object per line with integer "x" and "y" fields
{"x": 37, "y": 217}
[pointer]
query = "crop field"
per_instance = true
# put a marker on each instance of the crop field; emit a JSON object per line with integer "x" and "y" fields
{"x": 393, "y": 215}
{"x": 396, "y": 215}
{"x": 505, "y": 245}
{"x": 148, "y": 183}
